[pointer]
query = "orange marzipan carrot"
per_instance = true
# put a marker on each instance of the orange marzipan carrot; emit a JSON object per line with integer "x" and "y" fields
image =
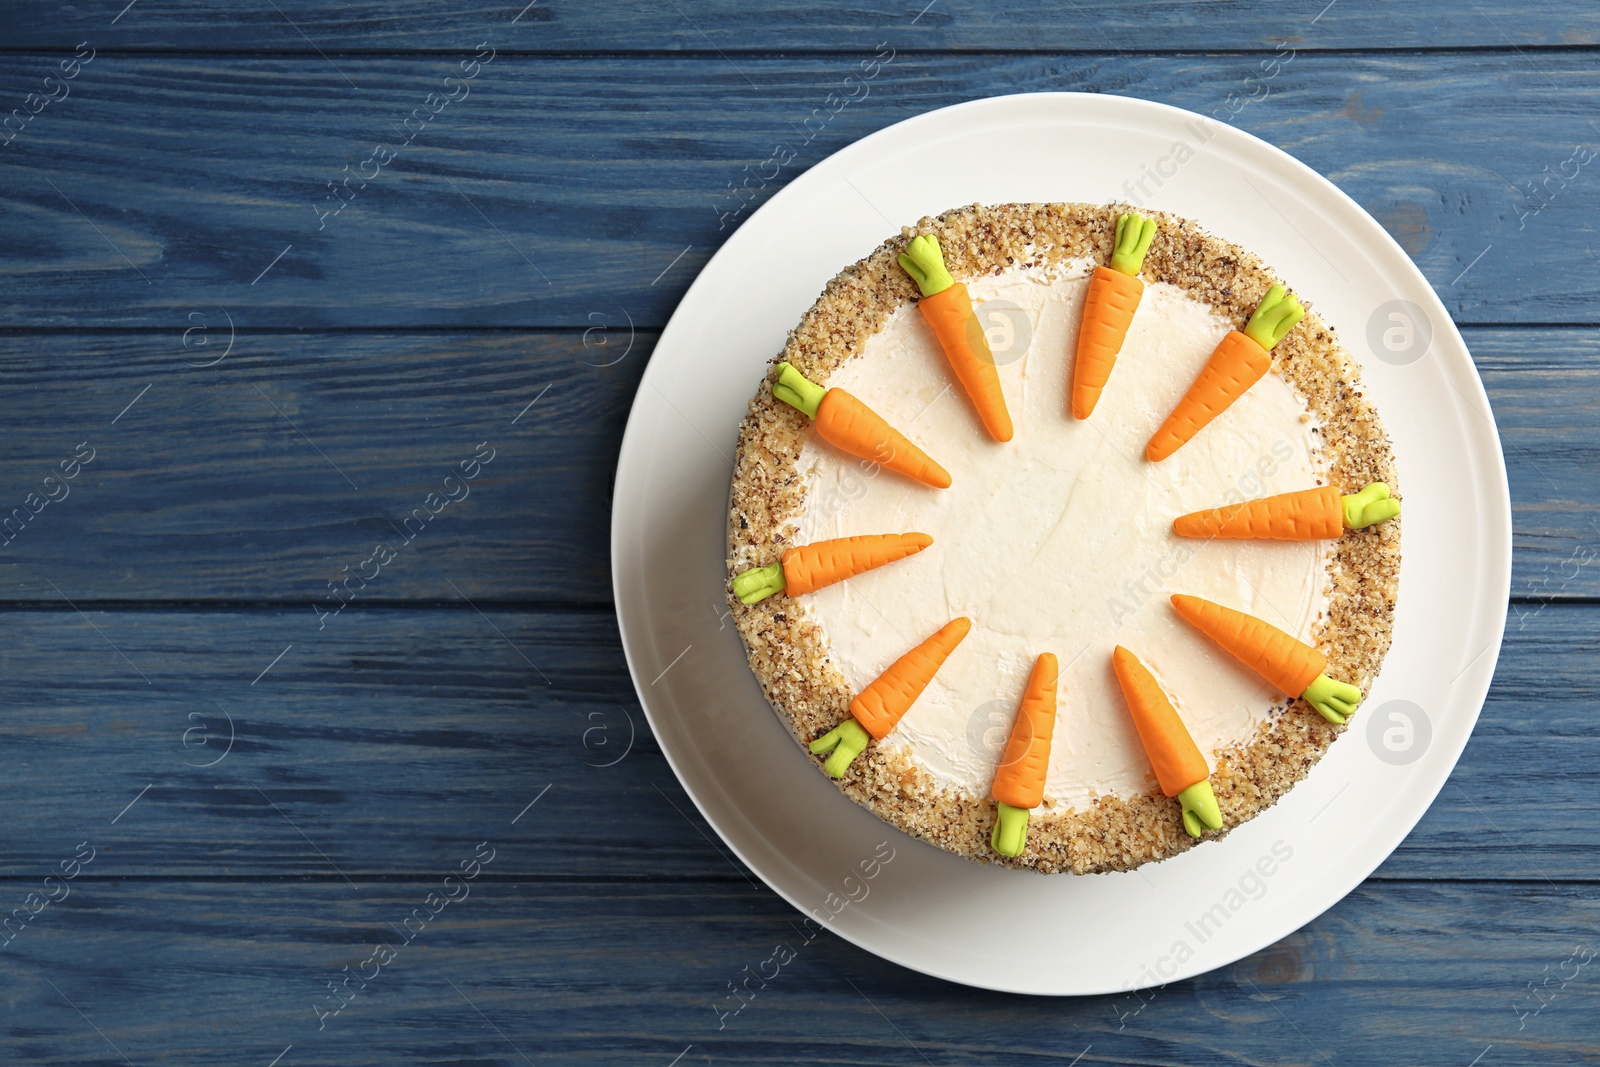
{"x": 1307, "y": 515}
{"x": 1020, "y": 779}
{"x": 810, "y": 567}
{"x": 880, "y": 705}
{"x": 1172, "y": 751}
{"x": 1285, "y": 662}
{"x": 847, "y": 423}
{"x": 950, "y": 314}
{"x": 1237, "y": 363}
{"x": 1107, "y": 314}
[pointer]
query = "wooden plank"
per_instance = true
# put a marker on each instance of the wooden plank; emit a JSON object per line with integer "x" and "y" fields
{"x": 602, "y": 973}
{"x": 228, "y": 482}
{"x": 355, "y": 746}
{"x": 1030, "y": 25}
{"x": 276, "y": 471}
{"x": 390, "y": 734}
{"x": 1539, "y": 383}
{"x": 1497, "y": 816}
{"x": 555, "y": 189}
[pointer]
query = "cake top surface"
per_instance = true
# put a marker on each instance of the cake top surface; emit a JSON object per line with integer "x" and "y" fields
{"x": 1061, "y": 539}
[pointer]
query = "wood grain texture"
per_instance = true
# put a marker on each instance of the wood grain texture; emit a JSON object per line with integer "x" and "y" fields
{"x": 1549, "y": 434}
{"x": 228, "y": 482}
{"x": 267, "y": 475}
{"x": 560, "y": 188}
{"x": 1031, "y": 25}
{"x": 606, "y": 973}
{"x": 388, "y": 734}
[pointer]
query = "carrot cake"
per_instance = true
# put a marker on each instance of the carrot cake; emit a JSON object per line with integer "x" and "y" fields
{"x": 1063, "y": 536}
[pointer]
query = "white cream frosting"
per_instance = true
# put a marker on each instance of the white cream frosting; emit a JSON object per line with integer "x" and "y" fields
{"x": 1061, "y": 540}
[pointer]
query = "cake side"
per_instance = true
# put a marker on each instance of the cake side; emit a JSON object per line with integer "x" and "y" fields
{"x": 789, "y": 653}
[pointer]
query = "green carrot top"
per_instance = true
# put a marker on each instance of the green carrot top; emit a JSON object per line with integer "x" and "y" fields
{"x": 1134, "y": 234}
{"x": 758, "y": 583}
{"x": 1369, "y": 507}
{"x": 1200, "y": 809}
{"x": 796, "y": 390}
{"x": 1274, "y": 317}
{"x": 924, "y": 261}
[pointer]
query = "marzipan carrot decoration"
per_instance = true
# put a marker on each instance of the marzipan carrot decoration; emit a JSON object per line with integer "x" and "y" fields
{"x": 847, "y": 423}
{"x": 1308, "y": 515}
{"x": 1114, "y": 292}
{"x": 1238, "y": 362}
{"x": 806, "y": 568}
{"x": 1019, "y": 783}
{"x": 948, "y": 309}
{"x": 878, "y": 707}
{"x": 1179, "y": 767}
{"x": 1291, "y": 665}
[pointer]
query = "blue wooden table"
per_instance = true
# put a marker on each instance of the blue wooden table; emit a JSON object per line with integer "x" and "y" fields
{"x": 284, "y": 283}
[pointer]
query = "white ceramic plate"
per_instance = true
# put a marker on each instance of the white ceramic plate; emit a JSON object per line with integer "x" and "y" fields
{"x": 927, "y": 909}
